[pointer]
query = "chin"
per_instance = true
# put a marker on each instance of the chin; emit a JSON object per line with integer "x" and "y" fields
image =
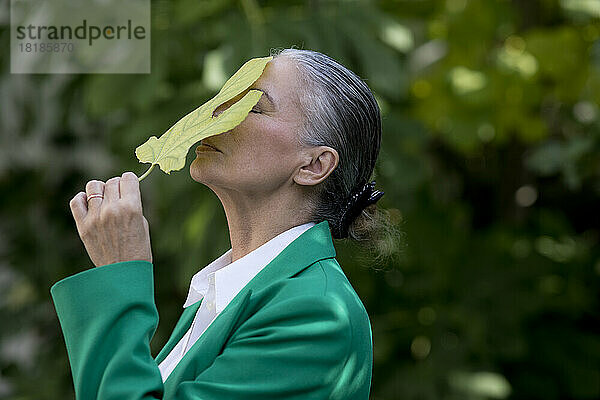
{"x": 202, "y": 173}
{"x": 196, "y": 171}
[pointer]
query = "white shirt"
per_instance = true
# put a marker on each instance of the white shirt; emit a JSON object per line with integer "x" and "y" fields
{"x": 220, "y": 281}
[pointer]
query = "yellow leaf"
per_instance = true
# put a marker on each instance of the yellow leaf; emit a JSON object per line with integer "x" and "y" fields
{"x": 170, "y": 150}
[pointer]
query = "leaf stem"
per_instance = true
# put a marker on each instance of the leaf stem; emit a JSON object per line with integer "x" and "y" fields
{"x": 146, "y": 173}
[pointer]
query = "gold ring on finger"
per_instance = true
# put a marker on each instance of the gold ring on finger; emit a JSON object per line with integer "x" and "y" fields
{"x": 93, "y": 196}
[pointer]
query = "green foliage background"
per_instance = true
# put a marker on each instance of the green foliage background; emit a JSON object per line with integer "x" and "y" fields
{"x": 490, "y": 162}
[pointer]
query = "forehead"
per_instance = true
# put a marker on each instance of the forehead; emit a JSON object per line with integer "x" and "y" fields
{"x": 280, "y": 80}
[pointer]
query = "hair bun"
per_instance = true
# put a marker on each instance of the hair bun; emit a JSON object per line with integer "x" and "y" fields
{"x": 366, "y": 196}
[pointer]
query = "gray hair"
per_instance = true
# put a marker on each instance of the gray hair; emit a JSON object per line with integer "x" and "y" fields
{"x": 340, "y": 112}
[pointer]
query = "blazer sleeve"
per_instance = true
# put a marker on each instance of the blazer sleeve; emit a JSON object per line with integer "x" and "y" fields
{"x": 298, "y": 348}
{"x": 108, "y": 317}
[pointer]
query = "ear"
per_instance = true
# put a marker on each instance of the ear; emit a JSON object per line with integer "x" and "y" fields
{"x": 319, "y": 163}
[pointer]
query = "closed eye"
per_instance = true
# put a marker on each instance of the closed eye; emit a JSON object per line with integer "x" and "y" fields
{"x": 255, "y": 111}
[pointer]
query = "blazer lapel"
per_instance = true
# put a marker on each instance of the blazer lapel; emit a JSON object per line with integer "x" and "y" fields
{"x": 202, "y": 353}
{"x": 184, "y": 323}
{"x": 313, "y": 245}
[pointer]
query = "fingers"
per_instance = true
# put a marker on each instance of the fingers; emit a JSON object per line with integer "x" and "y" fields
{"x": 78, "y": 205}
{"x": 126, "y": 187}
{"x": 94, "y": 187}
{"x": 130, "y": 187}
{"x": 111, "y": 190}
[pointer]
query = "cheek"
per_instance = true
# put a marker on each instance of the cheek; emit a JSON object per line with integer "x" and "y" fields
{"x": 260, "y": 137}
{"x": 267, "y": 153}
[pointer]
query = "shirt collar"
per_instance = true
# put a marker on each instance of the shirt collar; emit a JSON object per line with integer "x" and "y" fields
{"x": 230, "y": 277}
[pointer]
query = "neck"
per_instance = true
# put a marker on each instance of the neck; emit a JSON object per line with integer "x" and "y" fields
{"x": 254, "y": 220}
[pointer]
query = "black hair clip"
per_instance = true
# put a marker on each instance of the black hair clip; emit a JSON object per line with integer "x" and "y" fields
{"x": 358, "y": 202}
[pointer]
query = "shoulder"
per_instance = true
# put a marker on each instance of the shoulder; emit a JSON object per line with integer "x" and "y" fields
{"x": 318, "y": 313}
{"x": 319, "y": 293}
{"x": 325, "y": 278}
{"x": 310, "y": 328}
{"x": 338, "y": 290}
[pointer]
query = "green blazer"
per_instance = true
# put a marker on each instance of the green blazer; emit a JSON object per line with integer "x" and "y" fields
{"x": 297, "y": 330}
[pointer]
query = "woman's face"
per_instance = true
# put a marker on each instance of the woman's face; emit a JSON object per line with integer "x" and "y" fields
{"x": 261, "y": 154}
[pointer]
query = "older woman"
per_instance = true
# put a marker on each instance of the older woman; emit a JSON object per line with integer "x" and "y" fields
{"x": 274, "y": 317}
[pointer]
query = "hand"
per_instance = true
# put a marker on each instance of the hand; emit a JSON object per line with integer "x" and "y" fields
{"x": 112, "y": 228}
